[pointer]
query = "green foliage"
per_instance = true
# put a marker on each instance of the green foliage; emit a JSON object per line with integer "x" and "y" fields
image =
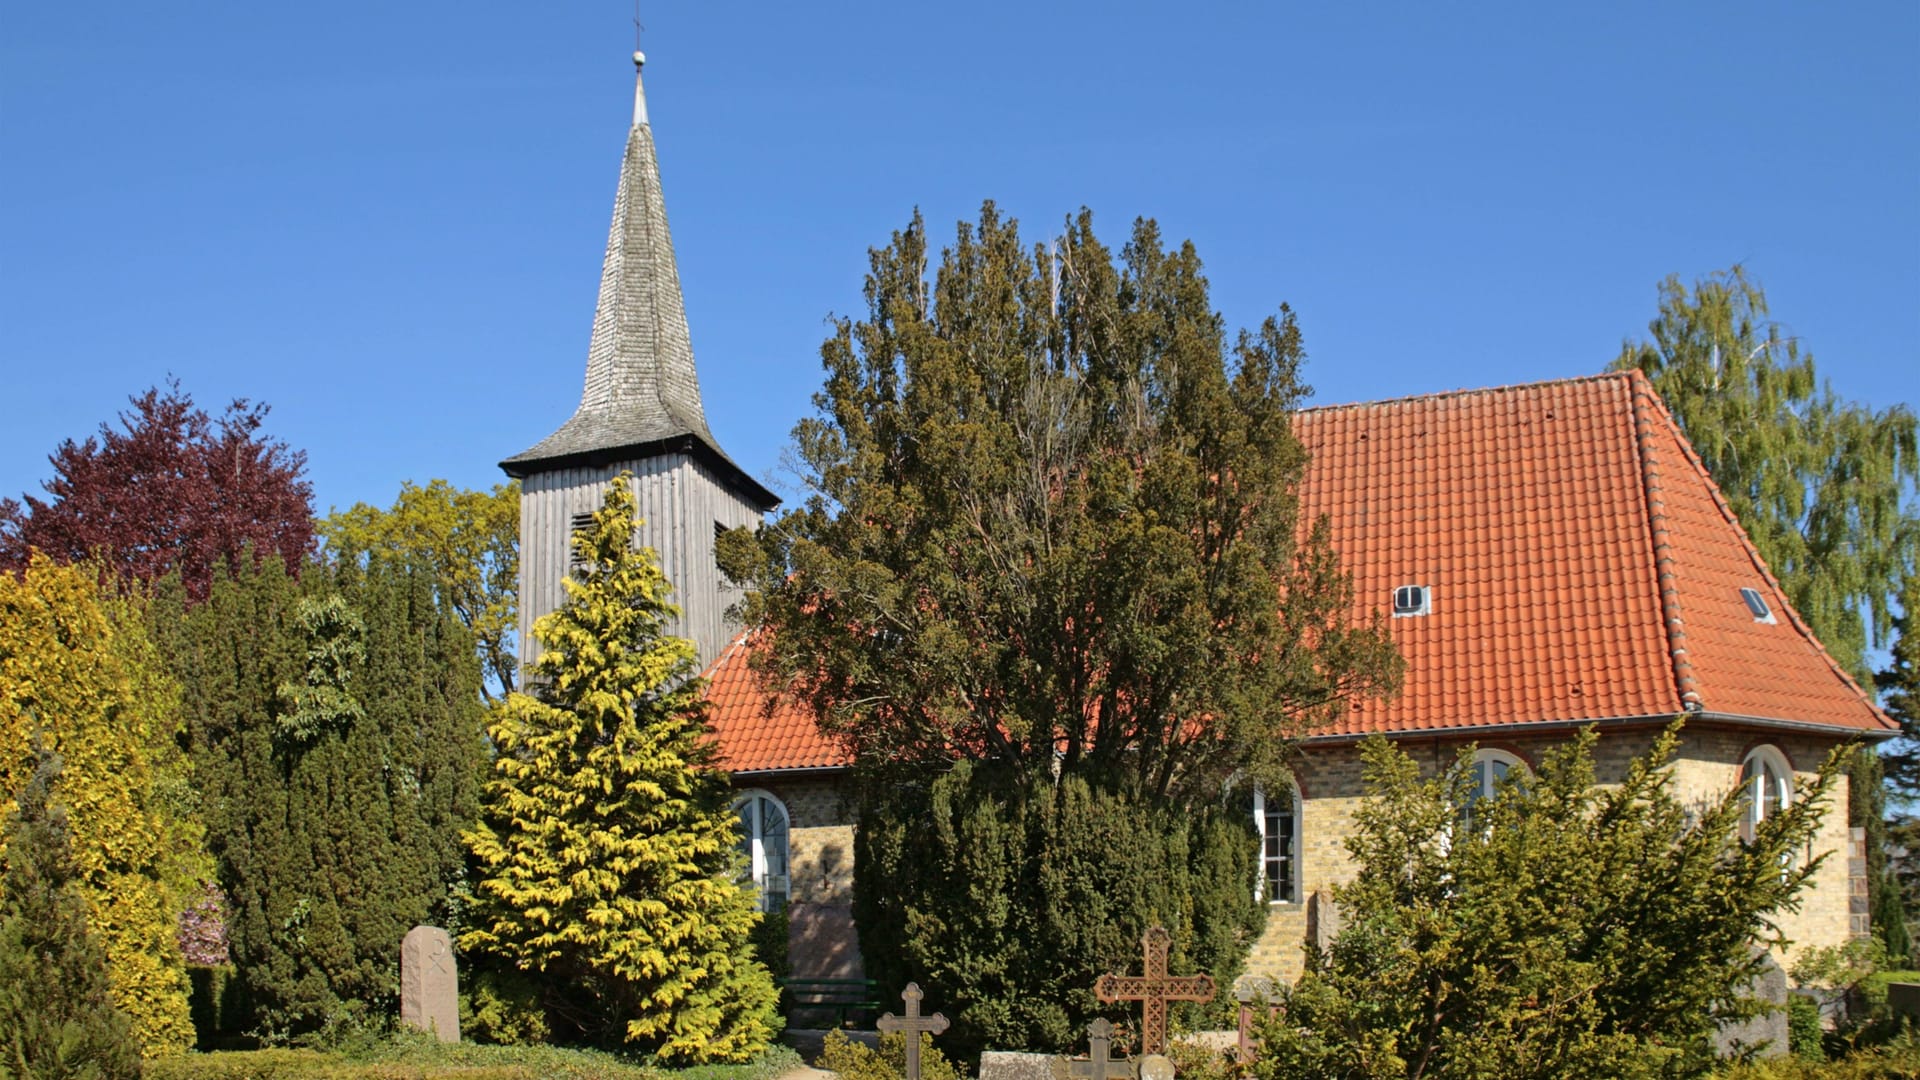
{"x": 214, "y": 1000}
{"x": 1899, "y": 1059}
{"x": 607, "y": 846}
{"x": 58, "y": 1018}
{"x": 79, "y": 676}
{"x": 469, "y": 540}
{"x": 1007, "y": 897}
{"x": 502, "y": 1007}
{"x": 409, "y": 1057}
{"x": 1041, "y": 524}
{"x": 1824, "y": 487}
{"x": 770, "y": 943}
{"x": 1900, "y": 696}
{"x": 1568, "y": 930}
{"x": 858, "y": 1061}
{"x": 336, "y": 727}
{"x": 1805, "y": 1033}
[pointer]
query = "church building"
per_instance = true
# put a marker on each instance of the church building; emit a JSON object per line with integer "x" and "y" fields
{"x": 1553, "y": 555}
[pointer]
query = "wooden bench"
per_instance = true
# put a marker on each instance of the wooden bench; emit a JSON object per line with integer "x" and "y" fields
{"x": 840, "y": 996}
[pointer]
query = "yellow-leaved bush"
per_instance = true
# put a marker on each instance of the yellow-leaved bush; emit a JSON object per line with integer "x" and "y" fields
{"x": 80, "y": 676}
{"x": 606, "y": 844}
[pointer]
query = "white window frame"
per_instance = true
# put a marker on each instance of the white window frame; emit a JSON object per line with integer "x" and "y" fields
{"x": 1488, "y": 772}
{"x": 769, "y": 863}
{"x": 1764, "y": 766}
{"x": 1287, "y": 854}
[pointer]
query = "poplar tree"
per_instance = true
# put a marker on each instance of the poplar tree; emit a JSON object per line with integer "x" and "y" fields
{"x": 607, "y": 847}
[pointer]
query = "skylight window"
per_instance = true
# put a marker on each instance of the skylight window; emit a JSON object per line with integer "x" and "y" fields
{"x": 1758, "y": 605}
{"x": 1411, "y": 600}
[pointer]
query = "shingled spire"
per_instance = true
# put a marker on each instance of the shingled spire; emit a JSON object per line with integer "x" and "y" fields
{"x": 641, "y": 389}
{"x": 640, "y": 414}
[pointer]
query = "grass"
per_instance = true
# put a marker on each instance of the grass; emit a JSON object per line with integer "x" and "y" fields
{"x": 420, "y": 1058}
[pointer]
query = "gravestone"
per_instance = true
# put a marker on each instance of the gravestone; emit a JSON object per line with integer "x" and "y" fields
{"x": 1323, "y": 920}
{"x": 1903, "y": 1000}
{"x": 1012, "y": 1065}
{"x": 1099, "y": 1063}
{"x": 1770, "y": 1027}
{"x": 429, "y": 985}
{"x": 1153, "y": 988}
{"x": 1251, "y": 991}
{"x": 912, "y": 1025}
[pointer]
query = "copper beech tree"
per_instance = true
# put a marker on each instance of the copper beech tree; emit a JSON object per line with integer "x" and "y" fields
{"x": 172, "y": 489}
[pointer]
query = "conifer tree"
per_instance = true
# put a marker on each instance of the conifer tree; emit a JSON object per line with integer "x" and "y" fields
{"x": 1560, "y": 929}
{"x": 58, "y": 1019}
{"x": 79, "y": 675}
{"x": 336, "y": 720}
{"x": 607, "y": 848}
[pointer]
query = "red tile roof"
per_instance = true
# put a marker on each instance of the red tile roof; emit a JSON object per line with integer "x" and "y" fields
{"x": 1582, "y": 566}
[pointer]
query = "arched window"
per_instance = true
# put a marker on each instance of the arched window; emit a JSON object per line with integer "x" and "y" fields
{"x": 1277, "y": 818}
{"x": 1766, "y": 785}
{"x": 1490, "y": 767}
{"x": 763, "y": 840}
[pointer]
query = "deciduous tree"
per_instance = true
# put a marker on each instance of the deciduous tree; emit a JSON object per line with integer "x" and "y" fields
{"x": 1823, "y": 486}
{"x": 1559, "y": 929}
{"x": 470, "y": 540}
{"x": 607, "y": 848}
{"x": 174, "y": 489}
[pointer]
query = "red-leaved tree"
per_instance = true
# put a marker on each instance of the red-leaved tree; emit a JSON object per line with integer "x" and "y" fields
{"x": 177, "y": 489}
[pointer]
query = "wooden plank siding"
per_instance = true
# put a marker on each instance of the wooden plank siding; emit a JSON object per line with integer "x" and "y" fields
{"x": 679, "y": 501}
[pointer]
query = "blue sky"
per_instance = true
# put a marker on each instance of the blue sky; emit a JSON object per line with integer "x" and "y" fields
{"x": 386, "y": 220}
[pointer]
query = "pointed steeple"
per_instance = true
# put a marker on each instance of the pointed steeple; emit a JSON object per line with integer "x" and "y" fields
{"x": 642, "y": 391}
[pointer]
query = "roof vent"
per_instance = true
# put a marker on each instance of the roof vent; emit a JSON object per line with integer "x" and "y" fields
{"x": 1758, "y": 605}
{"x": 1411, "y": 600}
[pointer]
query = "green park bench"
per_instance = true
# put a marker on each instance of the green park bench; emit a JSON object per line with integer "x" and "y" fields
{"x": 838, "y": 996}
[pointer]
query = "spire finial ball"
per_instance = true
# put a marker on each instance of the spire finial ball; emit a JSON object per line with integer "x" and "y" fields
{"x": 639, "y": 59}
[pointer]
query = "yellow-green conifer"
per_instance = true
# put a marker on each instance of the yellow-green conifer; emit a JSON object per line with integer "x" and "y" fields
{"x": 79, "y": 674}
{"x": 607, "y": 849}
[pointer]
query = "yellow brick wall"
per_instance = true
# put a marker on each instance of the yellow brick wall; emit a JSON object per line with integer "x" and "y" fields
{"x": 1707, "y": 765}
{"x": 822, "y": 940}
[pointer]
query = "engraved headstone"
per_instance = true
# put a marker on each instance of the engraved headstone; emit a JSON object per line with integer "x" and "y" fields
{"x": 1153, "y": 988}
{"x": 1903, "y": 1000}
{"x": 429, "y": 984}
{"x": 912, "y": 1025}
{"x": 1099, "y": 1064}
{"x": 1251, "y": 991}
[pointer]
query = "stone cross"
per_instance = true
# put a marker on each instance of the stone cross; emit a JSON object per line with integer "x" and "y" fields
{"x": 1153, "y": 988}
{"x": 913, "y": 1024}
{"x": 1099, "y": 1064}
{"x": 429, "y": 983}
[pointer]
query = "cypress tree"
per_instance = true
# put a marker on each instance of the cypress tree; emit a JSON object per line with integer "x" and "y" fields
{"x": 57, "y": 1011}
{"x": 606, "y": 845}
{"x": 337, "y": 723}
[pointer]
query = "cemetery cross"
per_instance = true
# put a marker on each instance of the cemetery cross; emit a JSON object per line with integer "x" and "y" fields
{"x": 913, "y": 1024}
{"x": 1099, "y": 1064}
{"x": 1153, "y": 988}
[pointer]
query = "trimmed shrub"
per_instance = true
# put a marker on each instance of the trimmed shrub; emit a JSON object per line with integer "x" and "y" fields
{"x": 1007, "y": 896}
